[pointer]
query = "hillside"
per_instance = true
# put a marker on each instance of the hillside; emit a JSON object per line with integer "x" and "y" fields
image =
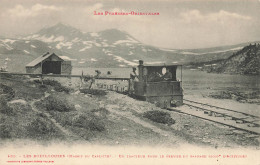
{"x": 59, "y": 114}
{"x": 108, "y": 48}
{"x": 245, "y": 61}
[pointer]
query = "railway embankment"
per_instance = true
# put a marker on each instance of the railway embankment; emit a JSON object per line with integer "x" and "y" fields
{"x": 53, "y": 113}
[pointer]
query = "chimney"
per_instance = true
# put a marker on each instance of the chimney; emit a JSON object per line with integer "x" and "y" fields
{"x": 140, "y": 70}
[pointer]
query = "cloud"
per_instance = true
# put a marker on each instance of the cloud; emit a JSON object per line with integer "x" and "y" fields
{"x": 35, "y": 10}
{"x": 221, "y": 16}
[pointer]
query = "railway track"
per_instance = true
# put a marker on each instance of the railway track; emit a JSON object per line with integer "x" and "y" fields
{"x": 235, "y": 119}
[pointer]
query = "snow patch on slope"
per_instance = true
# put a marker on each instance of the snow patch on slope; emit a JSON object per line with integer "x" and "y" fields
{"x": 8, "y": 40}
{"x": 64, "y": 44}
{"x": 94, "y": 34}
{"x": 220, "y": 51}
{"x": 93, "y": 59}
{"x": 168, "y": 50}
{"x": 85, "y": 48}
{"x": 7, "y": 46}
{"x": 67, "y": 58}
{"x": 129, "y": 40}
{"x": 120, "y": 59}
{"x": 26, "y": 51}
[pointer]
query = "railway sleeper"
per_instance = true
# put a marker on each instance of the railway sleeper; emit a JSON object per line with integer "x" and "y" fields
{"x": 240, "y": 121}
{"x": 219, "y": 115}
{"x": 228, "y": 118}
{"x": 252, "y": 125}
{"x": 234, "y": 118}
{"x": 210, "y": 113}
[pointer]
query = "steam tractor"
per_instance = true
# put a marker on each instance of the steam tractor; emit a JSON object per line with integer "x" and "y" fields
{"x": 158, "y": 84}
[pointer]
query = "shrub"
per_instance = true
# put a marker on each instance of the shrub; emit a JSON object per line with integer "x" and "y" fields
{"x": 61, "y": 89}
{"x": 42, "y": 86}
{"x": 89, "y": 121}
{"x": 4, "y": 108}
{"x": 55, "y": 84}
{"x": 52, "y": 103}
{"x": 159, "y": 117}
{"x": 5, "y": 131}
{"x": 101, "y": 112}
{"x": 95, "y": 92}
{"x": 8, "y": 91}
{"x": 40, "y": 128}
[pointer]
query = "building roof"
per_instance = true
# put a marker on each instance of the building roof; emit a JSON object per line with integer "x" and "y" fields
{"x": 40, "y": 59}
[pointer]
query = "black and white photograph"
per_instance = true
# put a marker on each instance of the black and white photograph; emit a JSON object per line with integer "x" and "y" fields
{"x": 129, "y": 82}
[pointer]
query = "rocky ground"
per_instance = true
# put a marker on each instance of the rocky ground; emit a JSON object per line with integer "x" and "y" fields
{"x": 54, "y": 113}
{"x": 240, "y": 96}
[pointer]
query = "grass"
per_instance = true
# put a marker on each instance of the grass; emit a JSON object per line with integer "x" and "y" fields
{"x": 55, "y": 84}
{"x": 89, "y": 121}
{"x": 42, "y": 129}
{"x": 6, "y": 131}
{"x": 54, "y": 103}
{"x": 20, "y": 121}
{"x": 93, "y": 120}
{"x": 4, "y": 108}
{"x": 7, "y": 91}
{"x": 95, "y": 92}
{"x": 86, "y": 125}
{"x": 102, "y": 112}
{"x": 17, "y": 87}
{"x": 159, "y": 117}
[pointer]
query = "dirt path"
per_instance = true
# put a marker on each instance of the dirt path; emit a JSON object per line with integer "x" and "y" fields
{"x": 125, "y": 107}
{"x": 116, "y": 110}
{"x": 69, "y": 135}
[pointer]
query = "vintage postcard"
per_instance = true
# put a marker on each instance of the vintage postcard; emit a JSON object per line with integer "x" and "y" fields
{"x": 129, "y": 82}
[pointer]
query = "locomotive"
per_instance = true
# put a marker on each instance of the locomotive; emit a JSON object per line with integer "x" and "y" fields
{"x": 154, "y": 87}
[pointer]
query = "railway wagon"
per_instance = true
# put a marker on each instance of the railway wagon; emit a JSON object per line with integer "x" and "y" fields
{"x": 158, "y": 84}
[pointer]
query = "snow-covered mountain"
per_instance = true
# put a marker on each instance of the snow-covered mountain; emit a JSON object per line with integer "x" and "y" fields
{"x": 109, "y": 48}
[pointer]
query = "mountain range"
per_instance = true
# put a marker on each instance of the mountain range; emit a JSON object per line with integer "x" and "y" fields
{"x": 108, "y": 48}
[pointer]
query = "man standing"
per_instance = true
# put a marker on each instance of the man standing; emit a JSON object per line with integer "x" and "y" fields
{"x": 133, "y": 77}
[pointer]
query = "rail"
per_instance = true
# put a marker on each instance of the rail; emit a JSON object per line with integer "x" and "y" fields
{"x": 228, "y": 117}
{"x": 221, "y": 108}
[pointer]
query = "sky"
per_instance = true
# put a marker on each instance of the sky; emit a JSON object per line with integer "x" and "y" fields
{"x": 181, "y": 24}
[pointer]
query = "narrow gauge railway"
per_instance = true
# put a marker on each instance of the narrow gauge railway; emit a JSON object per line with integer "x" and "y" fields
{"x": 226, "y": 109}
{"x": 168, "y": 94}
{"x": 235, "y": 119}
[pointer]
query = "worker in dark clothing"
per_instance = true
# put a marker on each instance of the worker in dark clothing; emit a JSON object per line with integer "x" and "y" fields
{"x": 133, "y": 74}
{"x": 133, "y": 77}
{"x": 168, "y": 75}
